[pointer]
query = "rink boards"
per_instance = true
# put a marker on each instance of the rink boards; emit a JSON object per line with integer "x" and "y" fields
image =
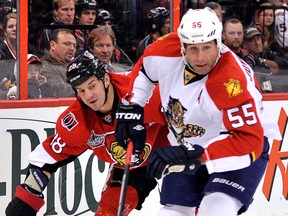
{"x": 79, "y": 184}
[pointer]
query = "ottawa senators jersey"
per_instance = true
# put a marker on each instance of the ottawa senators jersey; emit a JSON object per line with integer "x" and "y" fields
{"x": 219, "y": 111}
{"x": 80, "y": 128}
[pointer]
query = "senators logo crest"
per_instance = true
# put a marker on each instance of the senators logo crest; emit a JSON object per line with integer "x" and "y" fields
{"x": 69, "y": 121}
{"x": 119, "y": 154}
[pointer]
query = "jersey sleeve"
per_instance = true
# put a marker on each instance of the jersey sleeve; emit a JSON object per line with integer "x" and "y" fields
{"x": 69, "y": 140}
{"x": 232, "y": 89}
{"x": 148, "y": 68}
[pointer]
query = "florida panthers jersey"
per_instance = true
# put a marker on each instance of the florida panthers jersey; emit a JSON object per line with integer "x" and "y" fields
{"x": 79, "y": 128}
{"x": 219, "y": 111}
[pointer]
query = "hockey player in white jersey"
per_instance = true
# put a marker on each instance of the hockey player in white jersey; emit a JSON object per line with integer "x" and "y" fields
{"x": 211, "y": 99}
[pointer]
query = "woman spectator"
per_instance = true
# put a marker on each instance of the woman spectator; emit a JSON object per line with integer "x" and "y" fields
{"x": 264, "y": 22}
{"x": 8, "y": 47}
{"x": 8, "y": 74}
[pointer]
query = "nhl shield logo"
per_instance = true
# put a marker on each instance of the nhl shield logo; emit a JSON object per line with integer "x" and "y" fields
{"x": 96, "y": 140}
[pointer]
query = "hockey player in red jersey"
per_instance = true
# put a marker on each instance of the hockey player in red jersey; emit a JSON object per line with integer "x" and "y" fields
{"x": 89, "y": 123}
{"x": 210, "y": 98}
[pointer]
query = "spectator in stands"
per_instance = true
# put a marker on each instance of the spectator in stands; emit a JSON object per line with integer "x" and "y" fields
{"x": 264, "y": 22}
{"x": 63, "y": 14}
{"x": 85, "y": 14}
{"x": 196, "y": 4}
{"x": 105, "y": 18}
{"x": 37, "y": 84}
{"x": 281, "y": 31}
{"x": 6, "y": 7}
{"x": 233, "y": 38}
{"x": 8, "y": 47}
{"x": 216, "y": 8}
{"x": 158, "y": 25}
{"x": 55, "y": 61}
{"x": 8, "y": 76}
{"x": 101, "y": 42}
{"x": 253, "y": 42}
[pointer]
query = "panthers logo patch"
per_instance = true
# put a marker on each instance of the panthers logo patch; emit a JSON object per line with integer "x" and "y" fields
{"x": 233, "y": 88}
{"x": 174, "y": 114}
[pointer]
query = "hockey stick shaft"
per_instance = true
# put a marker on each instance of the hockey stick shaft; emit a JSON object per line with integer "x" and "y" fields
{"x": 125, "y": 179}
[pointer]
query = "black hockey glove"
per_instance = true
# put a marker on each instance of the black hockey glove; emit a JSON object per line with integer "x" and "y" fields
{"x": 19, "y": 208}
{"x": 171, "y": 159}
{"x": 130, "y": 125}
{"x": 27, "y": 202}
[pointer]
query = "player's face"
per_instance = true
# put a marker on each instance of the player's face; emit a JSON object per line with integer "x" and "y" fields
{"x": 202, "y": 56}
{"x": 103, "y": 48}
{"x": 92, "y": 92}
{"x": 87, "y": 17}
{"x": 233, "y": 35}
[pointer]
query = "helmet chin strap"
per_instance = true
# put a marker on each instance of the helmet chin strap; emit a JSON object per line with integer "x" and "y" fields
{"x": 190, "y": 67}
{"x": 106, "y": 91}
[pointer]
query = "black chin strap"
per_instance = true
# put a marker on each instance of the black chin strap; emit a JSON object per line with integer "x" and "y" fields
{"x": 106, "y": 92}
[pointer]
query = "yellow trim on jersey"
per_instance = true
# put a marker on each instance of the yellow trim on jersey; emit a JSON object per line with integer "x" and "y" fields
{"x": 253, "y": 156}
{"x": 188, "y": 76}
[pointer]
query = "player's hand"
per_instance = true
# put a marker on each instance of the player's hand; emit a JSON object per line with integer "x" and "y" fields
{"x": 130, "y": 125}
{"x": 171, "y": 159}
{"x": 27, "y": 202}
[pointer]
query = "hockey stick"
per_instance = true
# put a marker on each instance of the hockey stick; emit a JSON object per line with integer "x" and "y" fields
{"x": 125, "y": 179}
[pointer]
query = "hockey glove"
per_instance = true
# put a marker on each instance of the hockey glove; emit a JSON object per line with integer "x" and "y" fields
{"x": 166, "y": 160}
{"x": 130, "y": 125}
{"x": 26, "y": 202}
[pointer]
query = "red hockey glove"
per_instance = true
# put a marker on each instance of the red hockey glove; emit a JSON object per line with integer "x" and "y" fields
{"x": 171, "y": 159}
{"x": 130, "y": 125}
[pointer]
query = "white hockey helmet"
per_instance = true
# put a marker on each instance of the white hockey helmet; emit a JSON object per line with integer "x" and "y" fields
{"x": 200, "y": 26}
